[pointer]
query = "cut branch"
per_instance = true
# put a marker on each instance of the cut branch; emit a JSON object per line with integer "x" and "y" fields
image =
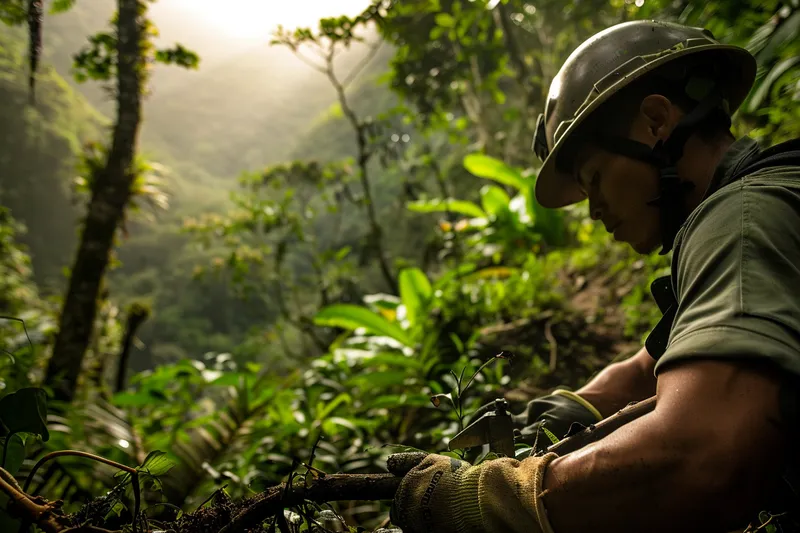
{"x": 26, "y": 508}
{"x": 332, "y": 487}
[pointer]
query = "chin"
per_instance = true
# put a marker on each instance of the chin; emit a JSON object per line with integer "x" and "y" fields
{"x": 643, "y": 248}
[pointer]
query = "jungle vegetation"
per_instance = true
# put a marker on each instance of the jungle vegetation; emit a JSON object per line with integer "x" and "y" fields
{"x": 220, "y": 273}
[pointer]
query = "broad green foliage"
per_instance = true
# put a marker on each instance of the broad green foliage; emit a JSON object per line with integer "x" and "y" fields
{"x": 502, "y": 226}
{"x": 354, "y": 317}
{"x": 276, "y": 343}
{"x": 25, "y": 319}
{"x": 23, "y": 416}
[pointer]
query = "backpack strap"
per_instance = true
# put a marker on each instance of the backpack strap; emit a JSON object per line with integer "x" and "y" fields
{"x": 783, "y": 154}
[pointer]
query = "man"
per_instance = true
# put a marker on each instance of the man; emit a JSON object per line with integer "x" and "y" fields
{"x": 638, "y": 121}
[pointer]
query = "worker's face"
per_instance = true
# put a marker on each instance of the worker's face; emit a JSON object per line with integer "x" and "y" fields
{"x": 619, "y": 188}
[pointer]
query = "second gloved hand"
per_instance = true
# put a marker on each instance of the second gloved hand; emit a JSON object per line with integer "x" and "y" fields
{"x": 556, "y": 412}
{"x": 445, "y": 495}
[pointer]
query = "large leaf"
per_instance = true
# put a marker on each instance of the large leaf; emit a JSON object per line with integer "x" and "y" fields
{"x": 379, "y": 380}
{"x": 760, "y": 94}
{"x": 489, "y": 168}
{"x": 494, "y": 200}
{"x": 784, "y": 34}
{"x": 438, "y": 205}
{"x": 348, "y": 316}
{"x": 415, "y": 292}
{"x": 25, "y": 411}
{"x": 384, "y": 304}
{"x": 445, "y": 20}
{"x": 12, "y": 452}
{"x": 382, "y": 301}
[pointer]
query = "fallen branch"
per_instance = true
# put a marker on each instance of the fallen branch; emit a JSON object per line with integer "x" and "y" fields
{"x": 250, "y": 513}
{"x": 30, "y": 509}
{"x": 332, "y": 487}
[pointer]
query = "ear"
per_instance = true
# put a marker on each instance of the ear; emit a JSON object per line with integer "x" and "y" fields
{"x": 658, "y": 115}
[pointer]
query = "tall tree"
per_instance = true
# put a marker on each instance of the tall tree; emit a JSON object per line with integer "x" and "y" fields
{"x": 123, "y": 55}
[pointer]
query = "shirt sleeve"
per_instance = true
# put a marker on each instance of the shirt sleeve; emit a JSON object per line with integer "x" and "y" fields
{"x": 737, "y": 278}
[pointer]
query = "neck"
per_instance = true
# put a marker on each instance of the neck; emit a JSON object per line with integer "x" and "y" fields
{"x": 700, "y": 160}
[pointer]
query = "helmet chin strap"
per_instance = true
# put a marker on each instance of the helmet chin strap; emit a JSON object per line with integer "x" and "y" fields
{"x": 664, "y": 156}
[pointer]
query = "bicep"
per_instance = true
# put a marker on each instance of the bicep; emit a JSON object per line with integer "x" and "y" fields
{"x": 730, "y": 417}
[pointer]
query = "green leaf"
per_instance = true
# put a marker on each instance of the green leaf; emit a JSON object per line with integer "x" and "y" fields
{"x": 439, "y": 205}
{"x": 550, "y": 435}
{"x": 338, "y": 421}
{"x": 764, "y": 87}
{"x": 60, "y": 6}
{"x": 25, "y": 411}
{"x": 155, "y": 464}
{"x": 494, "y": 200}
{"x": 333, "y": 404}
{"x": 415, "y": 292}
{"x": 178, "y": 56}
{"x": 388, "y": 302}
{"x": 13, "y": 450}
{"x": 348, "y": 316}
{"x": 135, "y": 399}
{"x": 393, "y": 360}
{"x": 489, "y": 168}
{"x": 445, "y": 20}
{"x": 379, "y": 380}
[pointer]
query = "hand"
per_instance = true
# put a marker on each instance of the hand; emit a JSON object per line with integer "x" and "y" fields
{"x": 445, "y": 495}
{"x": 557, "y": 412}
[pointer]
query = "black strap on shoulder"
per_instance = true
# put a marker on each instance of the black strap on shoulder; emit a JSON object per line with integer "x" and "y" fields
{"x": 783, "y": 154}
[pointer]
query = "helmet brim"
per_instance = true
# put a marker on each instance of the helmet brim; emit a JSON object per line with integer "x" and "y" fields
{"x": 555, "y": 188}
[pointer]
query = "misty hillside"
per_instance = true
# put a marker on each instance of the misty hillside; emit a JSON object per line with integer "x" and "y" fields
{"x": 38, "y": 156}
{"x": 247, "y": 106}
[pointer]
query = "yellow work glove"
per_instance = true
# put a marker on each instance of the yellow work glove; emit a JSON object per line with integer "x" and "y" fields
{"x": 445, "y": 495}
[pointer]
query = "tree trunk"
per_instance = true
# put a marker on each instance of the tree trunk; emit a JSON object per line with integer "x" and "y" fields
{"x": 110, "y": 196}
{"x": 137, "y": 315}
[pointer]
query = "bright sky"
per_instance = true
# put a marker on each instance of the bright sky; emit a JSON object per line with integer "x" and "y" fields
{"x": 256, "y": 19}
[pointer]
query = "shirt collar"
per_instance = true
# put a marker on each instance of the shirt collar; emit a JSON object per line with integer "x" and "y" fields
{"x": 738, "y": 155}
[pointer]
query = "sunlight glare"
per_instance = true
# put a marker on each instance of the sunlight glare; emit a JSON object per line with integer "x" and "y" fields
{"x": 257, "y": 19}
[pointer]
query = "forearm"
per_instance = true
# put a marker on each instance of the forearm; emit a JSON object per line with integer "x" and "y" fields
{"x": 700, "y": 462}
{"x": 627, "y": 482}
{"x": 620, "y": 383}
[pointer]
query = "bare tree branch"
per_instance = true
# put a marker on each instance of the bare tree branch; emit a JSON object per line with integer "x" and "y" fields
{"x": 363, "y": 63}
{"x": 333, "y": 487}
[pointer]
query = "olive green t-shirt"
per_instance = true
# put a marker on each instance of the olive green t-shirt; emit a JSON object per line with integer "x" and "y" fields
{"x": 736, "y": 268}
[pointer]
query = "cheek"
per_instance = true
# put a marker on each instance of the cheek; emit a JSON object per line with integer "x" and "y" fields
{"x": 631, "y": 187}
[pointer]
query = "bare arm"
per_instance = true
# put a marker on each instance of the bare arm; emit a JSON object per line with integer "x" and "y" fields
{"x": 621, "y": 383}
{"x": 699, "y": 462}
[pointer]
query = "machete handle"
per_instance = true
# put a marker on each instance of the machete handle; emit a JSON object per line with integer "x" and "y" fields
{"x": 604, "y": 428}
